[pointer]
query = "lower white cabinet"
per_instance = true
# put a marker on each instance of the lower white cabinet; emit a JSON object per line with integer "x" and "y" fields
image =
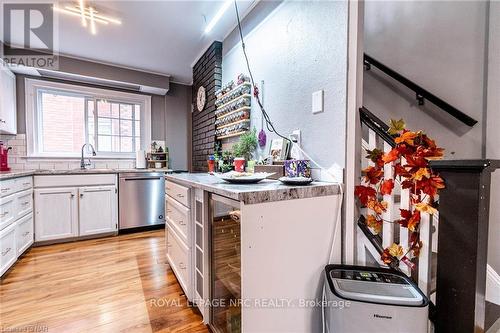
{"x": 98, "y": 210}
{"x": 8, "y": 250}
{"x": 56, "y": 213}
{"x": 16, "y": 220}
{"x": 24, "y": 233}
{"x": 178, "y": 256}
{"x": 71, "y": 211}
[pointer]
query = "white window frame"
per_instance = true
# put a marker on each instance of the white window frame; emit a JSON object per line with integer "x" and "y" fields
{"x": 33, "y": 125}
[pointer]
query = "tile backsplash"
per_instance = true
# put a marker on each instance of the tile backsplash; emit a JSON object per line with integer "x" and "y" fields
{"x": 19, "y": 161}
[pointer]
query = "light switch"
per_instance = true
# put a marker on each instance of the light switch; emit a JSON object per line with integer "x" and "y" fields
{"x": 317, "y": 101}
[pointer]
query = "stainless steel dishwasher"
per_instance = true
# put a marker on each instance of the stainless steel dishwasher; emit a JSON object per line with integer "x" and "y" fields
{"x": 141, "y": 199}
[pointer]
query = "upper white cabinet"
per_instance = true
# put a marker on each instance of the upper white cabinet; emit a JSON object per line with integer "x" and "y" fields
{"x": 8, "y": 117}
{"x": 56, "y": 214}
{"x": 98, "y": 210}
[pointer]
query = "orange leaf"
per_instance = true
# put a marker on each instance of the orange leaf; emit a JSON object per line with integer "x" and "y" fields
{"x": 407, "y": 137}
{"x": 374, "y": 223}
{"x": 364, "y": 193}
{"x": 414, "y": 221}
{"x": 425, "y": 208}
{"x": 391, "y": 156}
{"x": 395, "y": 250}
{"x": 421, "y": 172}
{"x": 387, "y": 186}
{"x": 373, "y": 174}
{"x": 377, "y": 206}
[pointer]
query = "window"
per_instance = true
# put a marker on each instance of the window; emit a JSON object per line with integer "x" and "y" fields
{"x": 63, "y": 117}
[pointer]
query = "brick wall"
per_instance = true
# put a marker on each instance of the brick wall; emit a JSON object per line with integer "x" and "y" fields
{"x": 207, "y": 73}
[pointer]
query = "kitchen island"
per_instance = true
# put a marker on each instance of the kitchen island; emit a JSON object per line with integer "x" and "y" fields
{"x": 251, "y": 256}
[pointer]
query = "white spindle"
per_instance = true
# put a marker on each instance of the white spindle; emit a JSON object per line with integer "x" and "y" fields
{"x": 425, "y": 258}
{"x": 403, "y": 232}
{"x": 388, "y": 216}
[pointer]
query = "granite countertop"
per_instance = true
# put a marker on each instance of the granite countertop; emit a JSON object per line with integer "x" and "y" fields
{"x": 22, "y": 173}
{"x": 264, "y": 191}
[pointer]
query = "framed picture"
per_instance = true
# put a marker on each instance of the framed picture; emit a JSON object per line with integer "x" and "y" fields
{"x": 278, "y": 149}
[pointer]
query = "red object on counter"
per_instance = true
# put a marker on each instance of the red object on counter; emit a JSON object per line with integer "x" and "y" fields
{"x": 239, "y": 164}
{"x": 4, "y": 161}
{"x": 211, "y": 165}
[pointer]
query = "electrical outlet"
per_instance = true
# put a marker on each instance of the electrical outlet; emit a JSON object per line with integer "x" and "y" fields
{"x": 317, "y": 101}
{"x": 296, "y": 137}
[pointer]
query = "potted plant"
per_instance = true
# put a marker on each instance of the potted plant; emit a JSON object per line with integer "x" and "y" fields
{"x": 244, "y": 149}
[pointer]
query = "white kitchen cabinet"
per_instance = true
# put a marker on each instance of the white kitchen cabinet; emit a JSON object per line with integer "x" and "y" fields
{"x": 8, "y": 251}
{"x": 8, "y": 114}
{"x": 56, "y": 213}
{"x": 24, "y": 233}
{"x": 98, "y": 210}
{"x": 8, "y": 211}
{"x": 70, "y": 206}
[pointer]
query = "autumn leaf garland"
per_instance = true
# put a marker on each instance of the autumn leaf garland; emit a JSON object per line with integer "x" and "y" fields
{"x": 410, "y": 162}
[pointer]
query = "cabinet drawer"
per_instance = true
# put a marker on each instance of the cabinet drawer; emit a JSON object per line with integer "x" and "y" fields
{"x": 24, "y": 233}
{"x": 7, "y": 187}
{"x": 8, "y": 253}
{"x": 178, "y": 192}
{"x": 7, "y": 210}
{"x": 179, "y": 216}
{"x": 24, "y": 183}
{"x": 24, "y": 203}
{"x": 178, "y": 258}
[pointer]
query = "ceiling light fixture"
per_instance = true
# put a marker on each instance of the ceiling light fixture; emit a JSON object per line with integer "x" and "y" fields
{"x": 92, "y": 21}
{"x": 82, "y": 13}
{"x": 87, "y": 13}
{"x": 219, "y": 15}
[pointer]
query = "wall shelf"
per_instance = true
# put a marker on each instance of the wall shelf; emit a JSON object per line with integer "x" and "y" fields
{"x": 233, "y": 100}
{"x": 235, "y": 88}
{"x": 230, "y": 135}
{"x": 234, "y": 123}
{"x": 234, "y": 111}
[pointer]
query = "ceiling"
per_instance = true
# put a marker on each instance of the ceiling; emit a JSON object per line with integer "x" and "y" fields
{"x": 162, "y": 36}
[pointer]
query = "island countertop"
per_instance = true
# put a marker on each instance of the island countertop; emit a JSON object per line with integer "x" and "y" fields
{"x": 264, "y": 191}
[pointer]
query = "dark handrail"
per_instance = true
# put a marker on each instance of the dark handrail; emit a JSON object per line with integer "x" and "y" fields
{"x": 421, "y": 92}
{"x": 377, "y": 125}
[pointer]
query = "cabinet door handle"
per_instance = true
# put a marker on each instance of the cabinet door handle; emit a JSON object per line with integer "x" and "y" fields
{"x": 182, "y": 266}
{"x": 72, "y": 195}
{"x": 6, "y": 251}
{"x": 181, "y": 222}
{"x": 169, "y": 211}
{"x": 2, "y": 121}
{"x": 180, "y": 195}
{"x": 27, "y": 183}
{"x": 26, "y": 233}
{"x": 5, "y": 189}
{"x": 25, "y": 203}
{"x": 81, "y": 195}
{"x": 4, "y": 214}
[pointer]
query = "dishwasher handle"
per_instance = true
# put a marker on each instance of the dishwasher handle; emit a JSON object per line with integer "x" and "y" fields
{"x": 141, "y": 178}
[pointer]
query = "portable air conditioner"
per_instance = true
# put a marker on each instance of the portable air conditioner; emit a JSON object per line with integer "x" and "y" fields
{"x": 365, "y": 299}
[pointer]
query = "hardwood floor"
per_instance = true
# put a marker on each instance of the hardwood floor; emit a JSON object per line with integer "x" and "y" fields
{"x": 116, "y": 284}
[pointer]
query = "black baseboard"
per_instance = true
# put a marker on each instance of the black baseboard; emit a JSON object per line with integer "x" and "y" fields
{"x": 141, "y": 229}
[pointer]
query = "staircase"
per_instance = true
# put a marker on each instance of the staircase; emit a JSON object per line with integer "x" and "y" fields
{"x": 450, "y": 270}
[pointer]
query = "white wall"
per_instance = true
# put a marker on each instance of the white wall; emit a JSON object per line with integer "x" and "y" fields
{"x": 297, "y": 47}
{"x": 493, "y": 132}
{"x": 439, "y": 45}
{"x": 442, "y": 46}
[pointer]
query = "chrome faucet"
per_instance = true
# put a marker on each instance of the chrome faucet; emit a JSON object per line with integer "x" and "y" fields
{"x": 84, "y": 165}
